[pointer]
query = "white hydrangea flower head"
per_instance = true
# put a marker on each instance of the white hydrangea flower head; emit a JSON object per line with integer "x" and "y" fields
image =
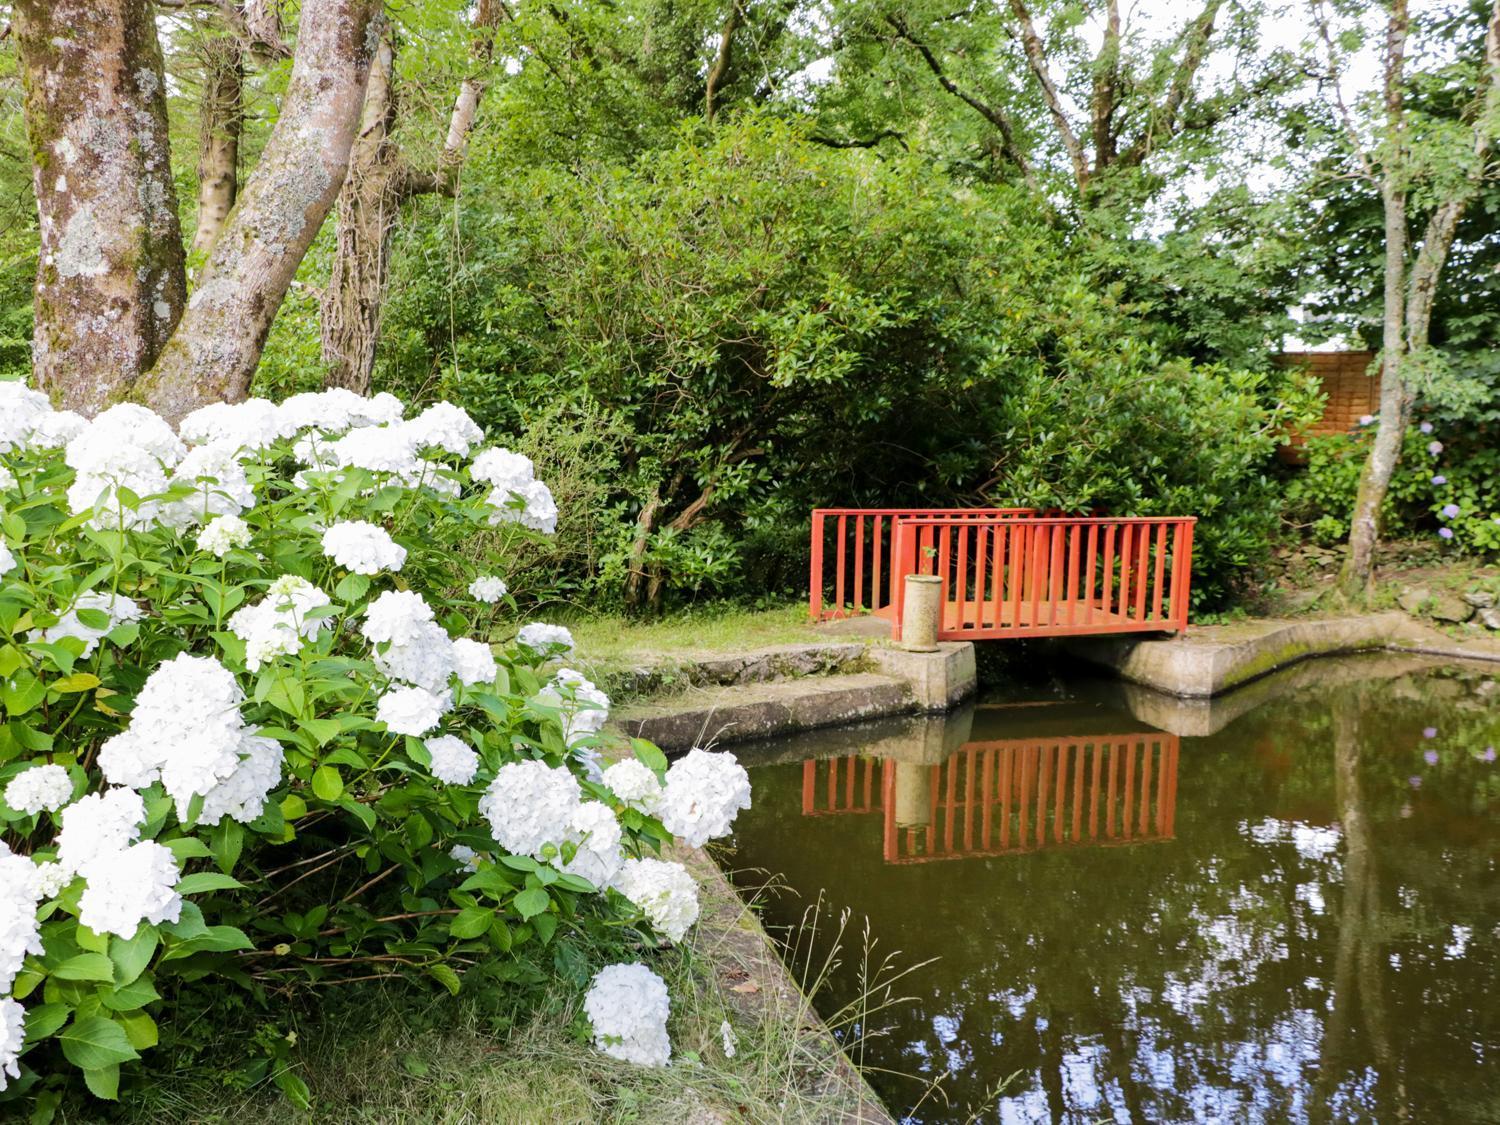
{"x": 187, "y": 729}
{"x": 7, "y": 560}
{"x": 705, "y": 791}
{"x": 220, "y": 486}
{"x": 473, "y": 662}
{"x": 242, "y": 795}
{"x": 487, "y": 588}
{"x": 222, "y": 534}
{"x": 124, "y": 425}
{"x": 453, "y": 760}
{"x": 314, "y": 410}
{"x": 21, "y": 410}
{"x": 118, "y": 608}
{"x": 529, "y": 504}
{"x": 280, "y": 622}
{"x": 128, "y": 887}
{"x": 20, "y": 933}
{"x": 595, "y": 835}
{"x": 502, "y": 469}
{"x": 628, "y": 1006}
{"x": 411, "y": 710}
{"x": 98, "y": 824}
{"x": 548, "y": 640}
{"x": 12, "y": 1035}
{"x": 383, "y": 409}
{"x": 250, "y": 426}
{"x": 380, "y": 449}
{"x": 426, "y": 658}
{"x": 530, "y": 805}
{"x": 446, "y": 427}
{"x": 585, "y": 708}
{"x": 395, "y": 617}
{"x": 663, "y": 891}
{"x": 465, "y": 855}
{"x": 362, "y": 548}
{"x": 51, "y": 879}
{"x": 633, "y": 782}
{"x": 55, "y": 429}
{"x": 43, "y": 788}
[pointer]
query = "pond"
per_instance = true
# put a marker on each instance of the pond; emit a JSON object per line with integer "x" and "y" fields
{"x": 1287, "y": 910}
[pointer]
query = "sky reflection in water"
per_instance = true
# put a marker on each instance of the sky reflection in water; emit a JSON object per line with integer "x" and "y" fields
{"x": 1290, "y": 914}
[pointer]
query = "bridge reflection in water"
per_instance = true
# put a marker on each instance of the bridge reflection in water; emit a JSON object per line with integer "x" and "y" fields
{"x": 1007, "y": 797}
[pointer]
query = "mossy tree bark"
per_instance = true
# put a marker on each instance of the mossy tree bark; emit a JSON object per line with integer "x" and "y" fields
{"x": 110, "y": 284}
{"x": 222, "y": 120}
{"x": 380, "y": 181}
{"x": 214, "y": 352}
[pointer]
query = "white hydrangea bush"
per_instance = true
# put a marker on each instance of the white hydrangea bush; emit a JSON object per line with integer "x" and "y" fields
{"x": 255, "y": 732}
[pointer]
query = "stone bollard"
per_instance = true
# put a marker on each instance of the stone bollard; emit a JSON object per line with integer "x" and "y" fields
{"x": 913, "y": 795}
{"x": 919, "y": 613}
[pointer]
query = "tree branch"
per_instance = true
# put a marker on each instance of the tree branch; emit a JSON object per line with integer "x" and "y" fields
{"x": 720, "y": 67}
{"x": 1036, "y": 55}
{"x": 1106, "y": 79}
{"x": 993, "y": 114}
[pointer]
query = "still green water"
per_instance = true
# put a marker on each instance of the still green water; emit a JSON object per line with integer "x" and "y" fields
{"x": 1289, "y": 910}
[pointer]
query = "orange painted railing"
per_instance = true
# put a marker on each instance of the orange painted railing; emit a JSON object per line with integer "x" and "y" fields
{"x": 851, "y": 555}
{"x": 1008, "y": 797}
{"x": 1006, "y": 576}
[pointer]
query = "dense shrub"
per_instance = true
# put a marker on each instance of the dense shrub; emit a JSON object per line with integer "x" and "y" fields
{"x": 771, "y": 325}
{"x": 242, "y": 746}
{"x": 1447, "y": 483}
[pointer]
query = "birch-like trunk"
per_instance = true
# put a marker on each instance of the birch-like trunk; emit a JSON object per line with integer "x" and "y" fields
{"x": 110, "y": 284}
{"x": 214, "y": 352}
{"x": 223, "y": 118}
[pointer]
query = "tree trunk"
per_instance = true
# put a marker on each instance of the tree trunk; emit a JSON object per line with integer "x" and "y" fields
{"x": 223, "y": 117}
{"x": 1395, "y": 400}
{"x": 110, "y": 278}
{"x": 367, "y": 209}
{"x": 213, "y": 354}
{"x": 379, "y": 182}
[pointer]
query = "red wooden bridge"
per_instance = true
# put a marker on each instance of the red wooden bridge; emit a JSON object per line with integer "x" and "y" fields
{"x": 1006, "y": 572}
{"x": 1007, "y": 797}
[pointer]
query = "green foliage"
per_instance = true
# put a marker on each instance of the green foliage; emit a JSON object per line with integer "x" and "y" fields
{"x": 346, "y": 872}
{"x": 1463, "y": 472}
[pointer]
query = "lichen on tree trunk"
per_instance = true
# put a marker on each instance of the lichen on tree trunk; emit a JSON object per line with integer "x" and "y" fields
{"x": 214, "y": 352}
{"x": 222, "y": 119}
{"x": 110, "y": 284}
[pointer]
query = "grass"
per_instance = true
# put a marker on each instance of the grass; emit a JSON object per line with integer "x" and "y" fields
{"x": 618, "y": 640}
{"x": 398, "y": 1053}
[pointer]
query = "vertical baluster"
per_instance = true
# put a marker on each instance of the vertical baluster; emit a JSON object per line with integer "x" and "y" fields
{"x": 1070, "y": 595}
{"x": 1157, "y": 590}
{"x": 815, "y": 570}
{"x": 878, "y": 543}
{"x": 1036, "y": 578}
{"x": 961, "y": 577}
{"x": 833, "y": 784}
{"x": 1127, "y": 797}
{"x": 1094, "y": 788}
{"x": 1088, "y": 583}
{"x": 1145, "y": 817}
{"x": 1043, "y": 776}
{"x": 986, "y": 829}
{"x": 809, "y": 787}
{"x": 1163, "y": 765}
{"x": 1114, "y": 789}
{"x": 950, "y": 813}
{"x": 1060, "y": 789}
{"x": 1006, "y": 767}
{"x": 1107, "y": 575}
{"x": 981, "y": 536}
{"x": 851, "y": 768}
{"x": 1142, "y": 569}
{"x": 843, "y": 554}
{"x": 1056, "y": 563}
{"x": 1023, "y": 797}
{"x": 935, "y": 787}
{"x": 1020, "y": 545}
{"x": 859, "y": 562}
{"x": 869, "y": 782}
{"x": 1078, "y": 791}
{"x": 891, "y": 844}
{"x": 1127, "y": 543}
{"x": 971, "y": 759}
{"x": 945, "y": 562}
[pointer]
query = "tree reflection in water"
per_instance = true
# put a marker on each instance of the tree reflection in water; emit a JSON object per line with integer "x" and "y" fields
{"x": 1304, "y": 934}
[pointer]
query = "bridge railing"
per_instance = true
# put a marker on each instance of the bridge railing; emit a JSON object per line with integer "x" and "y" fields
{"x": 1005, "y": 576}
{"x": 851, "y": 555}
